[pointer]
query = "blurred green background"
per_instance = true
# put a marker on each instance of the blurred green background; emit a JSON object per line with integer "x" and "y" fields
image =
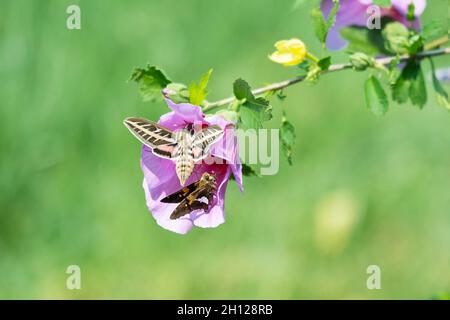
{"x": 362, "y": 191}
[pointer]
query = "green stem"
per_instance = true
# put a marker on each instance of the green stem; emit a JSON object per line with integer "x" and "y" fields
{"x": 312, "y": 57}
{"x": 333, "y": 68}
{"x": 436, "y": 43}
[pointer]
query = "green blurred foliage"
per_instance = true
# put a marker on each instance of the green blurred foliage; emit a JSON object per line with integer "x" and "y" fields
{"x": 70, "y": 181}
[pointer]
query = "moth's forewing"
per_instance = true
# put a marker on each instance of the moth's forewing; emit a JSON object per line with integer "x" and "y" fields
{"x": 149, "y": 133}
{"x": 203, "y": 141}
{"x": 197, "y": 153}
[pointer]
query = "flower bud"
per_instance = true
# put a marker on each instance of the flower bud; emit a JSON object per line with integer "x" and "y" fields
{"x": 360, "y": 61}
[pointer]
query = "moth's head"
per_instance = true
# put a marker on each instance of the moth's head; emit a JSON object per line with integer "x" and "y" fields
{"x": 195, "y": 126}
{"x": 209, "y": 177}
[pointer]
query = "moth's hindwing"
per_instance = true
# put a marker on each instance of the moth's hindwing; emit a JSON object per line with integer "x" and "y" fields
{"x": 150, "y": 133}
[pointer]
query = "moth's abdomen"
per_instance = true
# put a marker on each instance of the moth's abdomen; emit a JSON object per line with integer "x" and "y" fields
{"x": 185, "y": 162}
{"x": 184, "y": 167}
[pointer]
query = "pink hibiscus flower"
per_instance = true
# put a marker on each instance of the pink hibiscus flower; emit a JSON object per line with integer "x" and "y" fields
{"x": 354, "y": 13}
{"x": 160, "y": 178}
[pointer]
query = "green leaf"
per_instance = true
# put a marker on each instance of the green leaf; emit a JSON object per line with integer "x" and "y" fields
{"x": 376, "y": 98}
{"x": 249, "y": 171}
{"x": 359, "y": 40}
{"x": 415, "y": 44}
{"x": 324, "y": 63}
{"x": 393, "y": 69}
{"x": 332, "y": 16}
{"x": 287, "y": 138}
{"x": 253, "y": 111}
{"x": 242, "y": 90}
{"x": 197, "y": 93}
{"x": 151, "y": 81}
{"x": 441, "y": 94}
{"x": 400, "y": 89}
{"x": 418, "y": 89}
{"x": 410, "y": 84}
{"x": 261, "y": 105}
{"x": 249, "y": 118}
{"x": 321, "y": 26}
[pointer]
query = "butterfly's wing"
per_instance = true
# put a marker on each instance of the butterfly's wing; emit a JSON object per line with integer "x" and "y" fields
{"x": 203, "y": 140}
{"x": 194, "y": 201}
{"x": 185, "y": 208}
{"x": 191, "y": 198}
{"x": 160, "y": 139}
{"x": 181, "y": 194}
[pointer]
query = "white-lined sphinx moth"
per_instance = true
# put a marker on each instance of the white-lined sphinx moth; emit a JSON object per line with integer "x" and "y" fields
{"x": 185, "y": 146}
{"x": 191, "y": 198}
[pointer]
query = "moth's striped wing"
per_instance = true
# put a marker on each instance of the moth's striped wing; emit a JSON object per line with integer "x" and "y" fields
{"x": 168, "y": 152}
{"x": 153, "y": 135}
{"x": 203, "y": 141}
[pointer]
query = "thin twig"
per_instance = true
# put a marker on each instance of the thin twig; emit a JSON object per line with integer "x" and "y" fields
{"x": 436, "y": 43}
{"x": 333, "y": 68}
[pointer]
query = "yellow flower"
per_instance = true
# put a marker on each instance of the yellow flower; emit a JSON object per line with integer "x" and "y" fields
{"x": 289, "y": 52}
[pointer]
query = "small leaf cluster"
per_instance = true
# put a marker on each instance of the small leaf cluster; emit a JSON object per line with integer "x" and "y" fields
{"x": 403, "y": 75}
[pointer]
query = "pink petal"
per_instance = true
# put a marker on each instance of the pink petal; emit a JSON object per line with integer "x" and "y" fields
{"x": 216, "y": 214}
{"x": 237, "y": 173}
{"x": 161, "y": 213}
